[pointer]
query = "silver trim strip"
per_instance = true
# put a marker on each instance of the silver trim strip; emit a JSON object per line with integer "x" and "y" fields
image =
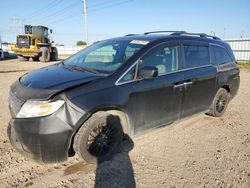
{"x": 130, "y": 81}
{"x": 117, "y": 81}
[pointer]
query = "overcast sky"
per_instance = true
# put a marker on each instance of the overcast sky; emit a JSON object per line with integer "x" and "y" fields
{"x": 110, "y": 18}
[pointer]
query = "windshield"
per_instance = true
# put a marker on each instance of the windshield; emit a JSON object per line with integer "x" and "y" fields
{"x": 37, "y": 30}
{"x": 105, "y": 56}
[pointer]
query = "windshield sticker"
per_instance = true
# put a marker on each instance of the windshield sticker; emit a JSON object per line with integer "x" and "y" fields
{"x": 143, "y": 42}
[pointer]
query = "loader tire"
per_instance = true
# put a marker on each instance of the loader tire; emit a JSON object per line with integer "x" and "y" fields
{"x": 54, "y": 54}
{"x": 45, "y": 54}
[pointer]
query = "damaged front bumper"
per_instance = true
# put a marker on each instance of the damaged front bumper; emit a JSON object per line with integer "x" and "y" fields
{"x": 43, "y": 139}
{"x": 46, "y": 139}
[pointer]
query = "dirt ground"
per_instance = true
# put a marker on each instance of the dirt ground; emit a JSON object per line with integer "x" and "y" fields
{"x": 201, "y": 151}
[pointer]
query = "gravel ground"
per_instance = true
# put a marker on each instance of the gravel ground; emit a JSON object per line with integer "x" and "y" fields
{"x": 201, "y": 151}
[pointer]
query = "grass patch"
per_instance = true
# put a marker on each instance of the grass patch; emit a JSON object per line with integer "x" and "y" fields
{"x": 244, "y": 65}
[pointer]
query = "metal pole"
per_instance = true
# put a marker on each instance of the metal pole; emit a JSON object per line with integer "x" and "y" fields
{"x": 85, "y": 21}
{"x": 0, "y": 42}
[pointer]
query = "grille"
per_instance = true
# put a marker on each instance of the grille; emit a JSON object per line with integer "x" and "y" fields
{"x": 15, "y": 104}
{"x": 23, "y": 41}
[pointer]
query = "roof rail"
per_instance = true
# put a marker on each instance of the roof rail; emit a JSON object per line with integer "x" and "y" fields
{"x": 152, "y": 32}
{"x": 202, "y": 35}
{"x": 184, "y": 33}
{"x": 130, "y": 35}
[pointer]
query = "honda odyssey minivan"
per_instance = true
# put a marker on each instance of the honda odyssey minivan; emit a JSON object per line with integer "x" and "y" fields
{"x": 126, "y": 85}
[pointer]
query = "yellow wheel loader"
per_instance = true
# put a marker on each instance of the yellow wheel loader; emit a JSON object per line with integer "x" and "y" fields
{"x": 35, "y": 44}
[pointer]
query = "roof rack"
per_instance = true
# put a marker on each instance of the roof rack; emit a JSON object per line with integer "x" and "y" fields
{"x": 202, "y": 35}
{"x": 152, "y": 32}
{"x": 184, "y": 33}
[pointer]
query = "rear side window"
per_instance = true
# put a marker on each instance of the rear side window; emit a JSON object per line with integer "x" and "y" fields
{"x": 196, "y": 56}
{"x": 219, "y": 55}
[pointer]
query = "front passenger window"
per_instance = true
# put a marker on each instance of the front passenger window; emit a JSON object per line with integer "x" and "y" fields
{"x": 165, "y": 59}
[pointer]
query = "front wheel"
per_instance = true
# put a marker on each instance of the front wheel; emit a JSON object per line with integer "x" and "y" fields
{"x": 45, "y": 54}
{"x": 220, "y": 103}
{"x": 99, "y": 138}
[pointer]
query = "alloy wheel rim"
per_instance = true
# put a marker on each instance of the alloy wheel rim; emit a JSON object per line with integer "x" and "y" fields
{"x": 100, "y": 140}
{"x": 221, "y": 103}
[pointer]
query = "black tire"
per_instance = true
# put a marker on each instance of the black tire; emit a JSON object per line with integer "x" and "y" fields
{"x": 220, "y": 103}
{"x": 45, "y": 54}
{"x": 54, "y": 54}
{"x": 99, "y": 138}
{"x": 21, "y": 58}
{"x": 35, "y": 58}
{"x": 1, "y": 54}
{"x": 6, "y": 55}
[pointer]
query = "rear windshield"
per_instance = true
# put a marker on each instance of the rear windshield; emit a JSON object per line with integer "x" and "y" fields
{"x": 105, "y": 56}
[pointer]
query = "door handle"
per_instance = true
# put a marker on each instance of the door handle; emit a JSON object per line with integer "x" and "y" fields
{"x": 183, "y": 84}
{"x": 179, "y": 85}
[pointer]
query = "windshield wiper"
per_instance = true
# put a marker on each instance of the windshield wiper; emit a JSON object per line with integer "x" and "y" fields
{"x": 82, "y": 69}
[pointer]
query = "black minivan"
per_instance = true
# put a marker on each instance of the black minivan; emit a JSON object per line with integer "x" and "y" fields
{"x": 119, "y": 86}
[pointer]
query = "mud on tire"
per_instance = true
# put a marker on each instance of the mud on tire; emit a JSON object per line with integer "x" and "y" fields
{"x": 99, "y": 138}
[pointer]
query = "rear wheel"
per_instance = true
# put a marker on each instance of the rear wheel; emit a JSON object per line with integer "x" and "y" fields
{"x": 35, "y": 58}
{"x": 21, "y": 58}
{"x": 45, "y": 54}
{"x": 220, "y": 103}
{"x": 99, "y": 138}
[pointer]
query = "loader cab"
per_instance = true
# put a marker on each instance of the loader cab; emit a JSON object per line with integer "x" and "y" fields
{"x": 36, "y": 30}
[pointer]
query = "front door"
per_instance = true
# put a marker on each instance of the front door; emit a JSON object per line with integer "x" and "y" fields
{"x": 158, "y": 100}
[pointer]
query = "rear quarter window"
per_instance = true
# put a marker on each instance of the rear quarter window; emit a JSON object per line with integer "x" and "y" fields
{"x": 219, "y": 55}
{"x": 196, "y": 56}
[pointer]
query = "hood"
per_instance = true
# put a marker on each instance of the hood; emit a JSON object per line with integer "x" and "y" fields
{"x": 56, "y": 77}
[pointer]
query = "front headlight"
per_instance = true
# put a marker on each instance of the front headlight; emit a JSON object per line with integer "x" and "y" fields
{"x": 39, "y": 108}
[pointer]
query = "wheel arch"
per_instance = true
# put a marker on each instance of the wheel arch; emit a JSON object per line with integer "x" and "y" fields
{"x": 226, "y": 87}
{"x": 125, "y": 122}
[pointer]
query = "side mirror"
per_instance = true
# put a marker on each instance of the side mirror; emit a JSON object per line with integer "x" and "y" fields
{"x": 148, "y": 72}
{"x": 51, "y": 31}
